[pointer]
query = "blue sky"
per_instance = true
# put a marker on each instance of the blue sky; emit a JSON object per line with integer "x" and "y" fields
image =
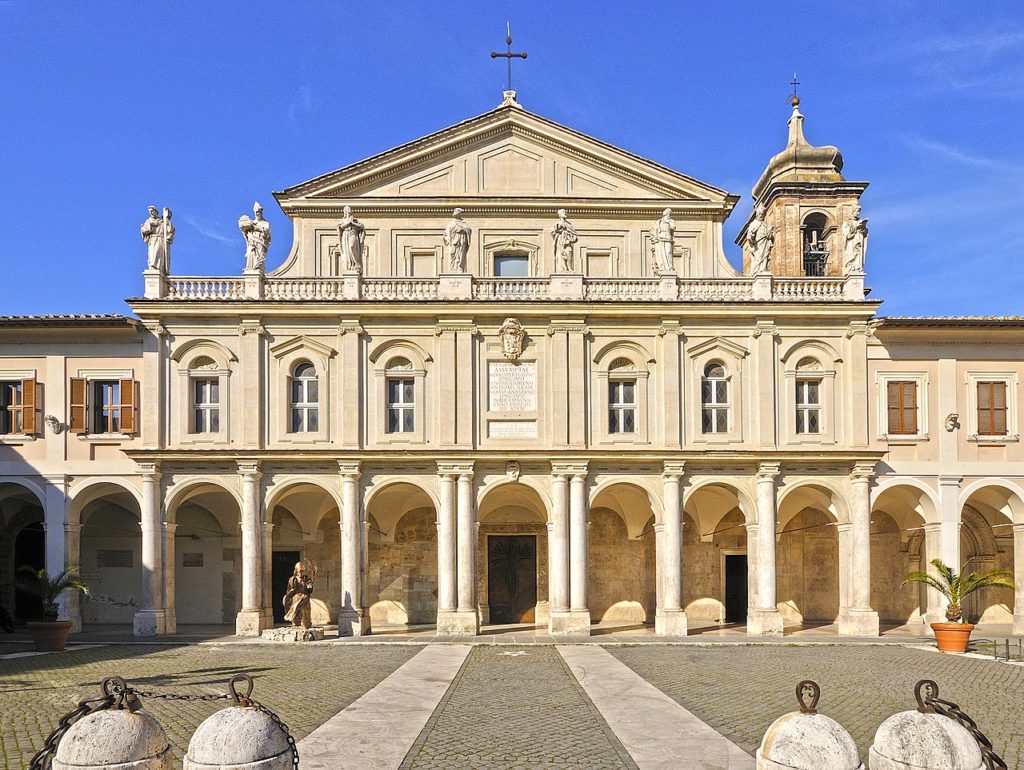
{"x": 109, "y": 107}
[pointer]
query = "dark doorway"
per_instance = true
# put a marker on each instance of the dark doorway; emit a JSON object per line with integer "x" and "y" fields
{"x": 282, "y": 565}
{"x": 512, "y": 578}
{"x": 29, "y": 550}
{"x": 736, "y": 588}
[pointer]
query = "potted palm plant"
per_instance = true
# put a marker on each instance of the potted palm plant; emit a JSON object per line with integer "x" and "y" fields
{"x": 50, "y": 634}
{"x": 954, "y": 635}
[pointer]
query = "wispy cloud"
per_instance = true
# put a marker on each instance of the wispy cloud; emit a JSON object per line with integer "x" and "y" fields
{"x": 213, "y": 232}
{"x": 953, "y": 153}
{"x": 302, "y": 105}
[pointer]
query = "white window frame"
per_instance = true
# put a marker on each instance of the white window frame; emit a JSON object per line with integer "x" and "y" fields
{"x": 617, "y": 364}
{"x": 18, "y": 375}
{"x": 305, "y": 406}
{"x": 714, "y": 405}
{"x": 91, "y": 377}
{"x": 882, "y": 380}
{"x": 1009, "y": 378}
{"x": 619, "y": 407}
{"x": 285, "y": 357}
{"x": 806, "y": 408}
{"x": 828, "y": 394}
{"x": 204, "y": 410}
{"x": 732, "y": 356}
{"x": 402, "y": 407}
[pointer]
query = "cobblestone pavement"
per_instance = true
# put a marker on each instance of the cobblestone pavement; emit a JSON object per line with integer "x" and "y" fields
{"x": 516, "y": 707}
{"x": 740, "y": 691}
{"x": 304, "y": 685}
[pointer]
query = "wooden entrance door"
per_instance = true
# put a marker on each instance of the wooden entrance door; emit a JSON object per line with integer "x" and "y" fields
{"x": 736, "y": 588}
{"x": 512, "y": 578}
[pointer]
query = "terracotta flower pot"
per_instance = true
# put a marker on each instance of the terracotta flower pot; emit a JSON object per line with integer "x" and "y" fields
{"x": 50, "y": 636}
{"x": 952, "y": 637}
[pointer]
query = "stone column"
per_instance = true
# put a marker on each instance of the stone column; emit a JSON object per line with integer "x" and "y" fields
{"x": 447, "y": 574}
{"x": 150, "y": 620}
{"x": 249, "y": 621}
{"x": 170, "y": 565}
{"x": 268, "y": 566}
{"x": 558, "y": 556}
{"x": 71, "y": 601}
{"x": 948, "y": 541}
{"x": 58, "y": 554}
{"x": 350, "y": 615}
{"x": 860, "y": 619}
{"x": 579, "y": 525}
{"x": 844, "y": 537}
{"x": 670, "y": 619}
{"x": 766, "y": 620}
{"x": 935, "y": 603}
{"x": 1018, "y": 579}
{"x": 466, "y": 618}
{"x": 752, "y": 529}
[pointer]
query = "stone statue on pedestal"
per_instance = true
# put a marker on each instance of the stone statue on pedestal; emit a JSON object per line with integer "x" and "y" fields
{"x": 760, "y": 239}
{"x": 565, "y": 237}
{"x": 855, "y": 243}
{"x": 352, "y": 237}
{"x": 297, "y": 600}
{"x": 663, "y": 235}
{"x": 158, "y": 233}
{"x": 256, "y": 232}
{"x": 456, "y": 241}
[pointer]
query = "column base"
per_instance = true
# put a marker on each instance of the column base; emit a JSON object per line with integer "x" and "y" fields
{"x": 458, "y": 623}
{"x": 569, "y": 623}
{"x": 170, "y": 621}
{"x": 858, "y": 623}
{"x": 764, "y": 623}
{"x": 149, "y": 623}
{"x": 250, "y": 623}
{"x": 1018, "y": 625}
{"x": 352, "y": 623}
{"x": 670, "y": 623}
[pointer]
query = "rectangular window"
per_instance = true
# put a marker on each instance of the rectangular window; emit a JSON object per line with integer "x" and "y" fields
{"x": 808, "y": 406}
{"x": 992, "y": 408}
{"x": 715, "y": 410}
{"x": 401, "y": 406}
{"x": 11, "y": 395}
{"x": 106, "y": 406}
{"x": 305, "y": 409}
{"x": 901, "y": 401}
{"x": 206, "y": 405}
{"x": 622, "y": 406}
{"x": 511, "y": 265}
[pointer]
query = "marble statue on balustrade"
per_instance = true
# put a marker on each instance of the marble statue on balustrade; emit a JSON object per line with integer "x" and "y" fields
{"x": 158, "y": 234}
{"x": 565, "y": 237}
{"x": 855, "y": 243}
{"x": 760, "y": 239}
{"x": 456, "y": 242}
{"x": 663, "y": 237}
{"x": 352, "y": 237}
{"x": 256, "y": 232}
{"x": 297, "y": 601}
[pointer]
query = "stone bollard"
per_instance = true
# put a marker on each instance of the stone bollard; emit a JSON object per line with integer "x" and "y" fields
{"x": 930, "y": 738}
{"x": 245, "y": 735}
{"x": 807, "y": 740}
{"x": 120, "y": 737}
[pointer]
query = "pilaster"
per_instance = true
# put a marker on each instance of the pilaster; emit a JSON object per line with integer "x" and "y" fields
{"x": 251, "y": 369}
{"x": 351, "y": 621}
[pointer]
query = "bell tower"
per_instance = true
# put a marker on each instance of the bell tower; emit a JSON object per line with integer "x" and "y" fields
{"x": 806, "y": 219}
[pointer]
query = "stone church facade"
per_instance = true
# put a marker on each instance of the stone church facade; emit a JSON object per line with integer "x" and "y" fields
{"x": 560, "y": 406}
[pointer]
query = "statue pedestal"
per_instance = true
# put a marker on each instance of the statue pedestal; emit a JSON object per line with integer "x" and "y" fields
{"x": 293, "y": 634}
{"x": 762, "y": 286}
{"x": 853, "y": 289}
{"x": 155, "y": 284}
{"x": 253, "y": 284}
{"x": 669, "y": 286}
{"x": 566, "y": 286}
{"x": 455, "y": 286}
{"x": 350, "y": 286}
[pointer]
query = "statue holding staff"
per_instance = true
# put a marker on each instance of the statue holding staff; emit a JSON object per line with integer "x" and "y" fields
{"x": 297, "y": 599}
{"x": 158, "y": 234}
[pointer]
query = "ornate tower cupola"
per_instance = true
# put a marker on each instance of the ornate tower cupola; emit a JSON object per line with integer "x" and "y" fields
{"x": 806, "y": 219}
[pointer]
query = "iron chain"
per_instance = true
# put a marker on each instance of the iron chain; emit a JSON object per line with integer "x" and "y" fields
{"x": 929, "y": 702}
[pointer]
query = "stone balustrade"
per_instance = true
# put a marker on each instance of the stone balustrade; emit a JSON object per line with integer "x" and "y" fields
{"x": 490, "y": 289}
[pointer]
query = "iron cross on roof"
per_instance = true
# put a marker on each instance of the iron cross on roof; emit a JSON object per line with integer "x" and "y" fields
{"x": 509, "y": 54}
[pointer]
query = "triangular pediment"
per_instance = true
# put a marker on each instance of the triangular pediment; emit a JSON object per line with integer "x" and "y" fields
{"x": 507, "y": 152}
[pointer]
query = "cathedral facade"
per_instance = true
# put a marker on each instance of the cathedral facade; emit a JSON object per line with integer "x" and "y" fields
{"x": 507, "y": 375}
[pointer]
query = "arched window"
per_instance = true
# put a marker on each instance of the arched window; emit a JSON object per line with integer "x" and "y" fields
{"x": 205, "y": 396}
{"x": 622, "y": 396}
{"x": 714, "y": 399}
{"x": 815, "y": 246}
{"x": 305, "y": 399}
{"x": 401, "y": 397}
{"x": 808, "y": 396}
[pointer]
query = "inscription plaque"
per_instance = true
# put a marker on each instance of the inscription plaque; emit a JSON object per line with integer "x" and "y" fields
{"x": 512, "y": 387}
{"x": 512, "y": 429}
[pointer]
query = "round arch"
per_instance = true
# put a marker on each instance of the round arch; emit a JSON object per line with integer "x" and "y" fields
{"x": 532, "y": 484}
{"x": 379, "y": 486}
{"x": 1009, "y": 500}
{"x": 820, "y": 493}
{"x": 90, "y": 490}
{"x": 642, "y": 485}
{"x": 282, "y": 490}
{"x": 197, "y": 485}
{"x": 743, "y": 499}
{"x": 926, "y": 503}
{"x": 27, "y": 484}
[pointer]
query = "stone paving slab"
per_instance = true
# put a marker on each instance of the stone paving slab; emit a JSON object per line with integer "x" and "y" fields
{"x": 380, "y": 727}
{"x": 516, "y": 708}
{"x": 305, "y": 686}
{"x": 656, "y": 731}
{"x": 740, "y": 691}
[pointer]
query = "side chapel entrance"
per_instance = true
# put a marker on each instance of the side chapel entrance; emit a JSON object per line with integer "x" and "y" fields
{"x": 735, "y": 588}
{"x": 512, "y": 578}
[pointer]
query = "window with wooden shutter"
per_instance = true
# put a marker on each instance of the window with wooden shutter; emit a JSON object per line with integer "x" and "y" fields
{"x": 902, "y": 405}
{"x": 28, "y": 407}
{"x": 79, "y": 405}
{"x": 127, "y": 406}
{"x": 992, "y": 408}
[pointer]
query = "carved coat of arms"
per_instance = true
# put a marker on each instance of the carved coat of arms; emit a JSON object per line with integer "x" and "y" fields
{"x": 511, "y": 334}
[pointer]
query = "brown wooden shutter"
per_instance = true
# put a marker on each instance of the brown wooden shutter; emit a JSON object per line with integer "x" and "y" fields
{"x": 28, "y": 407}
{"x": 79, "y": 389}
{"x": 999, "y": 408}
{"x": 892, "y": 400}
{"x": 127, "y": 406}
{"x": 909, "y": 405}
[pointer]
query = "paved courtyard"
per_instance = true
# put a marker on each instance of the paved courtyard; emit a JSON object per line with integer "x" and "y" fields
{"x": 516, "y": 706}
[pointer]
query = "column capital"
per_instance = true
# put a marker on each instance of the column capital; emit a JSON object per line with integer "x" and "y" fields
{"x": 659, "y": 527}
{"x": 862, "y": 472}
{"x": 249, "y": 469}
{"x": 674, "y": 469}
{"x": 932, "y": 527}
{"x": 349, "y": 468}
{"x": 952, "y": 480}
{"x": 150, "y": 469}
{"x": 768, "y": 471}
{"x": 169, "y": 527}
{"x": 1018, "y": 529}
{"x": 454, "y": 467}
{"x": 751, "y": 526}
{"x": 843, "y": 526}
{"x": 570, "y": 467}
